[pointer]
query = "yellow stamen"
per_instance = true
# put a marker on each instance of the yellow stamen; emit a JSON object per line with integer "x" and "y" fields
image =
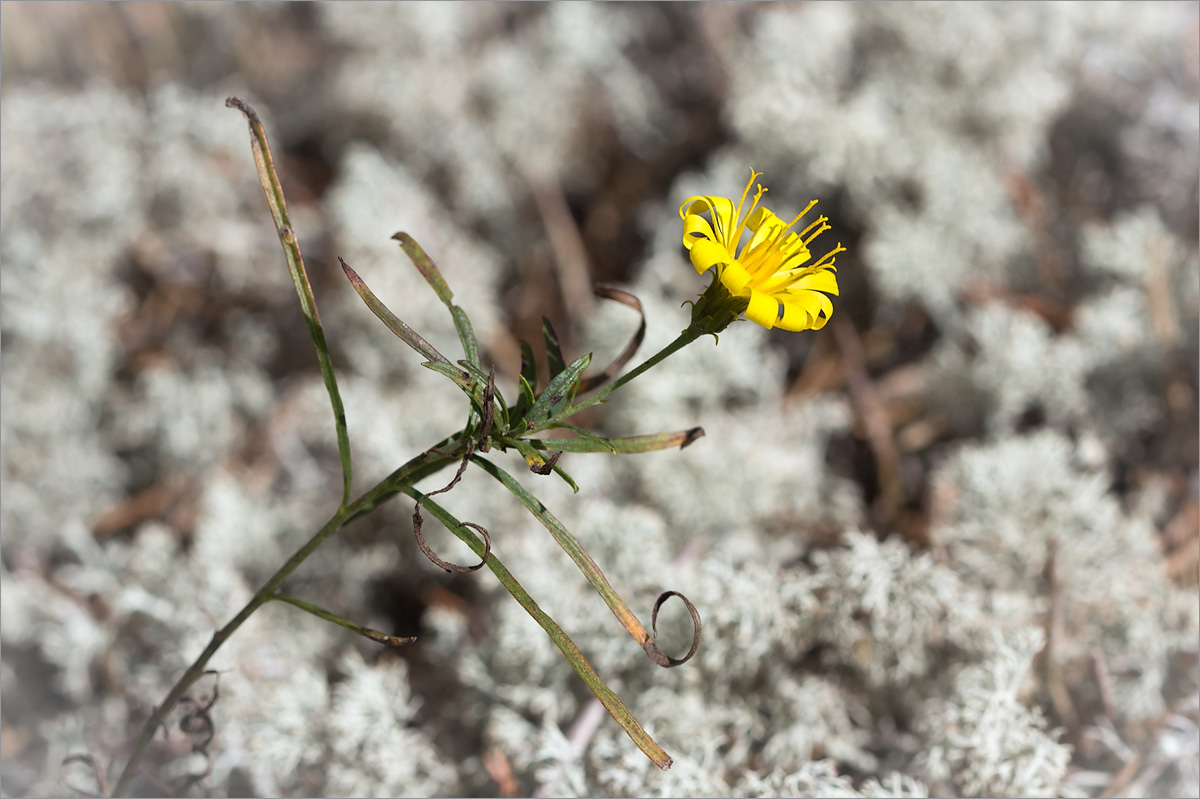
{"x": 820, "y": 221}
{"x": 825, "y": 259}
{"x": 800, "y": 216}
{"x": 732, "y": 241}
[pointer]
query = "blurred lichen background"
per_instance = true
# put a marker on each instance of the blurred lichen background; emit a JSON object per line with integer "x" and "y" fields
{"x": 946, "y": 545}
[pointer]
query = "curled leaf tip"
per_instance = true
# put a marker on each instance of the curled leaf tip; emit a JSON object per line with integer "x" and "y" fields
{"x": 547, "y": 467}
{"x": 691, "y": 435}
{"x": 233, "y": 101}
{"x": 614, "y": 368}
{"x": 445, "y": 564}
{"x": 656, "y": 654}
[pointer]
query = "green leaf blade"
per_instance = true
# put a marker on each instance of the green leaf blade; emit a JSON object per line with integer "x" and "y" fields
{"x": 426, "y": 266}
{"x": 554, "y": 356}
{"x": 612, "y": 703}
{"x": 621, "y": 445}
{"x": 557, "y": 395}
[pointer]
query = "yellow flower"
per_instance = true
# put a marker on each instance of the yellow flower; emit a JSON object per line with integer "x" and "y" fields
{"x": 769, "y": 272}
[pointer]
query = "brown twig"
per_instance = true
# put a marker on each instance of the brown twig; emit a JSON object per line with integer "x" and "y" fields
{"x": 1104, "y": 684}
{"x": 500, "y": 770}
{"x": 1032, "y": 208}
{"x": 1163, "y": 323}
{"x": 570, "y": 253}
{"x": 872, "y": 414}
{"x": 1051, "y": 666}
{"x": 1122, "y": 778}
{"x": 149, "y": 503}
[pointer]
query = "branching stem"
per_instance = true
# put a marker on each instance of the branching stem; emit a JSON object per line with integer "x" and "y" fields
{"x": 428, "y": 462}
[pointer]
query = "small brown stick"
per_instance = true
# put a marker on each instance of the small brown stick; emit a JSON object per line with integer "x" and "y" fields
{"x": 1104, "y": 684}
{"x": 1123, "y": 778}
{"x": 148, "y": 503}
{"x": 500, "y": 770}
{"x": 1182, "y": 537}
{"x": 1051, "y": 670}
{"x": 870, "y": 410}
{"x": 570, "y": 254}
{"x": 1163, "y": 323}
{"x": 1031, "y": 207}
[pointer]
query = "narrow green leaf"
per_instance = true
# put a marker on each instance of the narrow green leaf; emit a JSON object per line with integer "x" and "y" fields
{"x": 524, "y": 403}
{"x": 583, "y": 668}
{"x": 406, "y": 334}
{"x": 554, "y": 356}
{"x": 322, "y": 613}
{"x": 461, "y": 378}
{"x": 433, "y": 276}
{"x": 426, "y": 267}
{"x": 573, "y": 548}
{"x": 603, "y": 443}
{"x": 557, "y": 395}
{"x": 622, "y": 445}
{"x": 526, "y": 385}
{"x": 566, "y": 478}
{"x": 466, "y": 334}
{"x": 265, "y": 164}
{"x": 528, "y": 366}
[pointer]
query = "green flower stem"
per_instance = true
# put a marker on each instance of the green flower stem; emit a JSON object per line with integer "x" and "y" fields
{"x": 576, "y": 658}
{"x": 428, "y": 462}
{"x": 685, "y": 338}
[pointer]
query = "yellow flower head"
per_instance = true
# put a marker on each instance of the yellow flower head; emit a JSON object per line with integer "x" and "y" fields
{"x": 772, "y": 270}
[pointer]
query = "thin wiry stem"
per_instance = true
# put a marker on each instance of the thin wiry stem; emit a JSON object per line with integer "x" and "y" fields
{"x": 428, "y": 462}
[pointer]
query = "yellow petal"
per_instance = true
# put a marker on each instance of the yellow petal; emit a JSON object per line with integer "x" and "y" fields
{"x": 765, "y": 223}
{"x": 705, "y": 254}
{"x": 735, "y": 278}
{"x": 802, "y": 310}
{"x": 696, "y": 228}
{"x": 763, "y": 309}
{"x": 723, "y": 212}
{"x": 818, "y": 281}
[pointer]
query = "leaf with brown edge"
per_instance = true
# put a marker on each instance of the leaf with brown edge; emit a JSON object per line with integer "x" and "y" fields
{"x": 614, "y": 368}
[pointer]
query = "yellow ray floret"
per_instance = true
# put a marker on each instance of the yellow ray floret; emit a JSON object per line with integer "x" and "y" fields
{"x": 771, "y": 270}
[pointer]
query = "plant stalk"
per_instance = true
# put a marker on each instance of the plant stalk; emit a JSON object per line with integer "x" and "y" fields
{"x": 686, "y": 337}
{"x": 428, "y": 462}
